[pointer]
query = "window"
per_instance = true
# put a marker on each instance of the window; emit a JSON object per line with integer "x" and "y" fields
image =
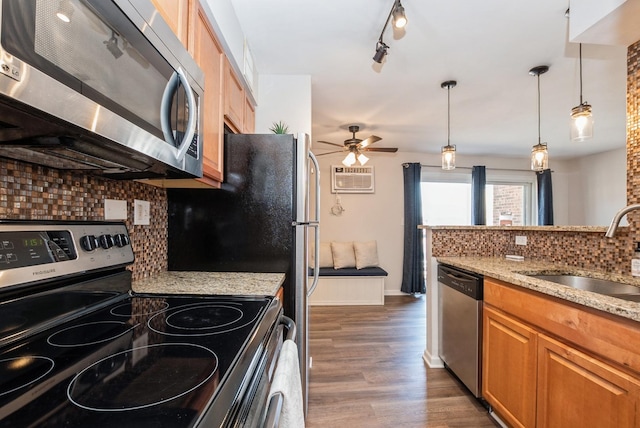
{"x": 446, "y": 198}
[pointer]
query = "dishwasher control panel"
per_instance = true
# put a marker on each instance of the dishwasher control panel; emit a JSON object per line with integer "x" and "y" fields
{"x": 464, "y": 282}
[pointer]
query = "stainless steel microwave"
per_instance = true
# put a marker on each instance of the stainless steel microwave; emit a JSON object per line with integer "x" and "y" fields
{"x": 101, "y": 86}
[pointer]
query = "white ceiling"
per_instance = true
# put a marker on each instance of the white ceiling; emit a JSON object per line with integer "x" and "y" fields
{"x": 488, "y": 47}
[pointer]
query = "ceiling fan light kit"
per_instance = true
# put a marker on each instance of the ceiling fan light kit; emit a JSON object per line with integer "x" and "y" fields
{"x": 448, "y": 151}
{"x": 399, "y": 21}
{"x": 539, "y": 152}
{"x": 356, "y": 147}
{"x": 581, "y": 115}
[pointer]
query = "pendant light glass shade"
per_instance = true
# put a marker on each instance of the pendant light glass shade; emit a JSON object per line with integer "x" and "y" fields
{"x": 581, "y": 116}
{"x": 448, "y": 157}
{"x": 539, "y": 157}
{"x": 581, "y": 122}
{"x": 448, "y": 151}
{"x": 539, "y": 153}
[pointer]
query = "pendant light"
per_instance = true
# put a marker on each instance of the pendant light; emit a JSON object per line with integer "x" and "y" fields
{"x": 539, "y": 153}
{"x": 448, "y": 151}
{"x": 581, "y": 116}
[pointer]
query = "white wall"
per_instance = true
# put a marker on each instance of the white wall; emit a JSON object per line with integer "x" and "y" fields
{"x": 379, "y": 216}
{"x": 285, "y": 98}
{"x": 600, "y": 184}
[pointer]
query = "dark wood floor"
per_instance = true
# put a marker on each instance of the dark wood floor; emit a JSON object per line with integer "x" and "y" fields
{"x": 368, "y": 371}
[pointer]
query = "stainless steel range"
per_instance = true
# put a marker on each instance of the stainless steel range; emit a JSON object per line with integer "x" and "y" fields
{"x": 78, "y": 348}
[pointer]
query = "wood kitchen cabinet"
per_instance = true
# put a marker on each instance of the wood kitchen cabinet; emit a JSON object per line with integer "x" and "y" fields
{"x": 509, "y": 368}
{"x": 249, "y": 126}
{"x": 234, "y": 99}
{"x": 551, "y": 363}
{"x": 176, "y": 14}
{"x": 576, "y": 390}
{"x": 209, "y": 55}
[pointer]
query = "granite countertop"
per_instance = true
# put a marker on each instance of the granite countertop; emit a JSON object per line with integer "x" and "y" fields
{"x": 221, "y": 283}
{"x": 515, "y": 272}
{"x": 590, "y": 229}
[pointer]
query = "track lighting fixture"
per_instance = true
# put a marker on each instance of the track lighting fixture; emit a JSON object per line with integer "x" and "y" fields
{"x": 539, "y": 153}
{"x": 399, "y": 18}
{"x": 399, "y": 21}
{"x": 381, "y": 52}
{"x": 448, "y": 151}
{"x": 581, "y": 116}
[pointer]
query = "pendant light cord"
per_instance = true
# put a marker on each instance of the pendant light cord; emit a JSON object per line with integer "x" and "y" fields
{"x": 448, "y": 115}
{"x": 539, "y": 139}
{"x": 580, "y": 73}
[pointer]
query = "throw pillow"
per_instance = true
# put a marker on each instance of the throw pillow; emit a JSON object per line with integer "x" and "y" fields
{"x": 366, "y": 254}
{"x": 343, "y": 255}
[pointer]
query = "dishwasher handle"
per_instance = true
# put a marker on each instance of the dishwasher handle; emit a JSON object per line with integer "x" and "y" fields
{"x": 470, "y": 285}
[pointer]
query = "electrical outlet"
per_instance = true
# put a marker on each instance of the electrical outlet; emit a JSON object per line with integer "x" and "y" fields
{"x": 521, "y": 240}
{"x": 115, "y": 209}
{"x": 141, "y": 212}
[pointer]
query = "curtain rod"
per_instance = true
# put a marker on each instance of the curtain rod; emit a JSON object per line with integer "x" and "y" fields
{"x": 468, "y": 167}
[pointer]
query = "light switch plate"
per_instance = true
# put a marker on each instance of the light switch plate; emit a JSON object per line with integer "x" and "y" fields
{"x": 141, "y": 212}
{"x": 521, "y": 240}
{"x": 115, "y": 209}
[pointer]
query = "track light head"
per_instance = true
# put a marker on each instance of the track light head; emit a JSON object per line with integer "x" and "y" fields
{"x": 399, "y": 18}
{"x": 381, "y": 51}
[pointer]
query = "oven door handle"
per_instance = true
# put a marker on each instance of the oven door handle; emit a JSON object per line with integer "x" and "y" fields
{"x": 274, "y": 409}
{"x": 290, "y": 325}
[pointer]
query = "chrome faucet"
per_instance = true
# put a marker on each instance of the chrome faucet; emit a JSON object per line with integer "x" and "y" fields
{"x": 616, "y": 219}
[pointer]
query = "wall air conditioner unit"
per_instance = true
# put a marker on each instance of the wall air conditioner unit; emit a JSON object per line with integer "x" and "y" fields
{"x": 352, "y": 179}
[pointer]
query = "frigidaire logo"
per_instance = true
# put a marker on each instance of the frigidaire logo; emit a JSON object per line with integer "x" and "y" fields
{"x": 44, "y": 272}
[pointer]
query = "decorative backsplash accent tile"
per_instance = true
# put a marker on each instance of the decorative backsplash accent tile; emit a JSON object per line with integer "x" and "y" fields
{"x": 587, "y": 250}
{"x": 30, "y": 192}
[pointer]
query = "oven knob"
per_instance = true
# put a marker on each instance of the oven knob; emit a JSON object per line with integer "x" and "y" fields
{"x": 106, "y": 241}
{"x": 121, "y": 240}
{"x": 88, "y": 242}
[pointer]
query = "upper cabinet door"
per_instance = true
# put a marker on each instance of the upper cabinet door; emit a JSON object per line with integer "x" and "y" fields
{"x": 176, "y": 14}
{"x": 249, "y": 126}
{"x": 233, "y": 99}
{"x": 209, "y": 55}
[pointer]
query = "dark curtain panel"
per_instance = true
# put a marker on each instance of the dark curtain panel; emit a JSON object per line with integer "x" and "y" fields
{"x": 545, "y": 198}
{"x": 478, "y": 182}
{"x": 413, "y": 280}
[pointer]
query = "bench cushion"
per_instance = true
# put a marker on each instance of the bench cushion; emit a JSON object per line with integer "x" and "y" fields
{"x": 370, "y": 271}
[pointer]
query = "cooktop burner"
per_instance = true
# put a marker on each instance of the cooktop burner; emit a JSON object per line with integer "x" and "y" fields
{"x": 89, "y": 333}
{"x": 143, "y": 358}
{"x": 158, "y": 374}
{"x": 19, "y": 372}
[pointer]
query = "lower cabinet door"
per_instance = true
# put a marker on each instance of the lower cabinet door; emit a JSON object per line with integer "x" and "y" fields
{"x": 576, "y": 390}
{"x": 509, "y": 368}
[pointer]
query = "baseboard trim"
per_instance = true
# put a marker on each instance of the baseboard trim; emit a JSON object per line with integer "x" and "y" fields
{"x": 432, "y": 361}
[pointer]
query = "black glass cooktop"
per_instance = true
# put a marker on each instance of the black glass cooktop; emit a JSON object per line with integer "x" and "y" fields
{"x": 140, "y": 361}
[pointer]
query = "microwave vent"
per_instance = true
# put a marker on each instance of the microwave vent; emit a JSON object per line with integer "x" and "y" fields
{"x": 357, "y": 179}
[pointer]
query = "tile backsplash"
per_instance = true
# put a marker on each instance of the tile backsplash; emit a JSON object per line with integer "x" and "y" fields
{"x": 30, "y": 192}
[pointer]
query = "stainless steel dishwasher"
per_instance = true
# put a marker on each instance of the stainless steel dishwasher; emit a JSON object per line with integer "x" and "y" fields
{"x": 460, "y": 305}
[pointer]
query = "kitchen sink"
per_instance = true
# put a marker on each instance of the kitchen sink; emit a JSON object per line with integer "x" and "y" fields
{"x": 595, "y": 285}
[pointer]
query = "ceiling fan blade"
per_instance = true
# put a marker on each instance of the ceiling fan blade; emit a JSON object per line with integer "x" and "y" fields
{"x": 328, "y": 153}
{"x": 333, "y": 144}
{"x": 372, "y": 139}
{"x": 381, "y": 149}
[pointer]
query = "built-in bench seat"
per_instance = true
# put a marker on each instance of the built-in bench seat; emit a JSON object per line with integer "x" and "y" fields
{"x": 349, "y": 286}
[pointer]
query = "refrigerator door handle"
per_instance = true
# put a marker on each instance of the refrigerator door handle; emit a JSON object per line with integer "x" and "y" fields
{"x": 316, "y": 225}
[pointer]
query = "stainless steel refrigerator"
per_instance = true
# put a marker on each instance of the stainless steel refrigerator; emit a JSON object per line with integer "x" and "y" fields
{"x": 260, "y": 220}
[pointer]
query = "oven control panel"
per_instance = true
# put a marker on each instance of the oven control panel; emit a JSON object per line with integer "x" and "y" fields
{"x": 32, "y": 252}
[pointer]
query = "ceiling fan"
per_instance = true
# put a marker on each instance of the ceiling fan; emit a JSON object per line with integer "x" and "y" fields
{"x": 356, "y": 147}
